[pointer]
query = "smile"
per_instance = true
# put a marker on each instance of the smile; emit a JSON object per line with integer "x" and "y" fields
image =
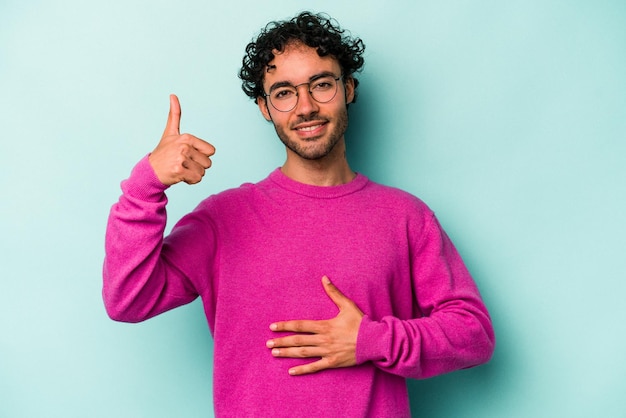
{"x": 309, "y": 128}
{"x": 312, "y": 127}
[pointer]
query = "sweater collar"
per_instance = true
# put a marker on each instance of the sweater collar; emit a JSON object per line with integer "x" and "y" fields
{"x": 320, "y": 192}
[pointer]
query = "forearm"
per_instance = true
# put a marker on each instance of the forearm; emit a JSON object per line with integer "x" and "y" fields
{"x": 459, "y": 336}
{"x": 452, "y": 328}
{"x": 136, "y": 276}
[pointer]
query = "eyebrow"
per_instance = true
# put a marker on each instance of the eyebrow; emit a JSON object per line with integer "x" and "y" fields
{"x": 314, "y": 77}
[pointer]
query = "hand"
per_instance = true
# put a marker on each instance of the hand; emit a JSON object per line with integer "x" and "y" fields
{"x": 333, "y": 340}
{"x": 180, "y": 157}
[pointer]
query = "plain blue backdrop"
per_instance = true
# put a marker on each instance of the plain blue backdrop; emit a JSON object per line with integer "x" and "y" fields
{"x": 507, "y": 118}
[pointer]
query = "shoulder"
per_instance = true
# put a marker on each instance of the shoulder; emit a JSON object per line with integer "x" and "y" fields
{"x": 227, "y": 198}
{"x": 393, "y": 197}
{"x": 234, "y": 198}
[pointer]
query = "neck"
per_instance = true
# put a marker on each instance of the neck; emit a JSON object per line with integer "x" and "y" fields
{"x": 331, "y": 170}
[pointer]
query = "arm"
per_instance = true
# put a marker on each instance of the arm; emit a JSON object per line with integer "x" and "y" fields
{"x": 452, "y": 331}
{"x": 138, "y": 279}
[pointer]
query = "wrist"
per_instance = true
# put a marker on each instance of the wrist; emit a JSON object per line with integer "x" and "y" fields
{"x": 371, "y": 342}
{"x": 143, "y": 182}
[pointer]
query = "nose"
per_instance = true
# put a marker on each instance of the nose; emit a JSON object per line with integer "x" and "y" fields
{"x": 306, "y": 104}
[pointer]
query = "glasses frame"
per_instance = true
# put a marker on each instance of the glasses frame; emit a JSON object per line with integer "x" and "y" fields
{"x": 268, "y": 98}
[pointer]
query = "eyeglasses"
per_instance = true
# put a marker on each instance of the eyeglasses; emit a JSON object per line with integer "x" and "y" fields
{"x": 284, "y": 98}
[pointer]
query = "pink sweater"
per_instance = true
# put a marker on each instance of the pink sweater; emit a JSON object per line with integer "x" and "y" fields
{"x": 256, "y": 254}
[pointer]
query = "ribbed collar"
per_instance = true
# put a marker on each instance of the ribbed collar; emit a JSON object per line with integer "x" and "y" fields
{"x": 319, "y": 192}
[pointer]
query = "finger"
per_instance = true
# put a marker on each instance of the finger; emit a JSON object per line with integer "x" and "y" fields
{"x": 309, "y": 368}
{"x": 306, "y": 326}
{"x": 202, "y": 160}
{"x": 202, "y": 146}
{"x": 191, "y": 165}
{"x": 299, "y": 352}
{"x": 198, "y": 157}
{"x": 298, "y": 340}
{"x": 334, "y": 293}
{"x": 173, "y": 117}
{"x": 193, "y": 177}
{"x": 189, "y": 141}
{"x": 192, "y": 172}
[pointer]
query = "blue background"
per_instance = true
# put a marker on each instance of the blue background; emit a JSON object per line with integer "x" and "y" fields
{"x": 507, "y": 118}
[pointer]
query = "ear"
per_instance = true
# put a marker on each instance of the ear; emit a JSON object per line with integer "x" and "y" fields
{"x": 262, "y": 103}
{"x": 349, "y": 83}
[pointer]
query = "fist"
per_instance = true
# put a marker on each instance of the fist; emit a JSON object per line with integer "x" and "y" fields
{"x": 180, "y": 157}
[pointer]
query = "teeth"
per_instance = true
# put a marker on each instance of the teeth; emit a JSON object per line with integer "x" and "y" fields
{"x": 309, "y": 128}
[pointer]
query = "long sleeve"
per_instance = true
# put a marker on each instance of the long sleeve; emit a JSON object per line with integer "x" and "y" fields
{"x": 139, "y": 281}
{"x": 452, "y": 329}
{"x": 255, "y": 255}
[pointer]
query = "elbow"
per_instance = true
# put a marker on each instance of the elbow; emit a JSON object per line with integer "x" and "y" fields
{"x": 120, "y": 315}
{"x": 484, "y": 345}
{"x": 117, "y": 313}
{"x": 490, "y": 341}
{"x": 119, "y": 299}
{"x": 492, "y": 346}
{"x": 118, "y": 309}
{"x": 485, "y": 353}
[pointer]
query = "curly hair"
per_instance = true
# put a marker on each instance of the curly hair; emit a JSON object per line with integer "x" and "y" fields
{"x": 314, "y": 30}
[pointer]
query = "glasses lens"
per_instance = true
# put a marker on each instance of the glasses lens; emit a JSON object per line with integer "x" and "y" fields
{"x": 284, "y": 98}
{"x": 322, "y": 90}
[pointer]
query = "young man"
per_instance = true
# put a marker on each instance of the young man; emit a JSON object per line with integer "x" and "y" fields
{"x": 323, "y": 290}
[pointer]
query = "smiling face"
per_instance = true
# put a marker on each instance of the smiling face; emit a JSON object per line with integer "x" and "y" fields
{"x": 311, "y": 130}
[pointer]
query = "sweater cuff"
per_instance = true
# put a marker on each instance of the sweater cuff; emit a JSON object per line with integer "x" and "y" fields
{"x": 371, "y": 341}
{"x": 143, "y": 182}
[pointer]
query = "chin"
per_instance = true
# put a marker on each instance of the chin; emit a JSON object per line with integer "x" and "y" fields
{"x": 312, "y": 149}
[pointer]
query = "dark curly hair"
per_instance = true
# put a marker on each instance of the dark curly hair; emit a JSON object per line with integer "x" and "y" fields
{"x": 314, "y": 30}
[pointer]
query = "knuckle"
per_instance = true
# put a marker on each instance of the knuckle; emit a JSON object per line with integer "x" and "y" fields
{"x": 326, "y": 340}
{"x": 178, "y": 168}
{"x": 197, "y": 177}
{"x": 184, "y": 149}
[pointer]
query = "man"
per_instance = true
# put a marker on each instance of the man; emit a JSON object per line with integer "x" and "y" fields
{"x": 323, "y": 290}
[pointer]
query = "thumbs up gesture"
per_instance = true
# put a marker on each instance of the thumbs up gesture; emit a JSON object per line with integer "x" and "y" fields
{"x": 180, "y": 157}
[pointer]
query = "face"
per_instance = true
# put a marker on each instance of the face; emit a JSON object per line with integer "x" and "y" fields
{"x": 311, "y": 130}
